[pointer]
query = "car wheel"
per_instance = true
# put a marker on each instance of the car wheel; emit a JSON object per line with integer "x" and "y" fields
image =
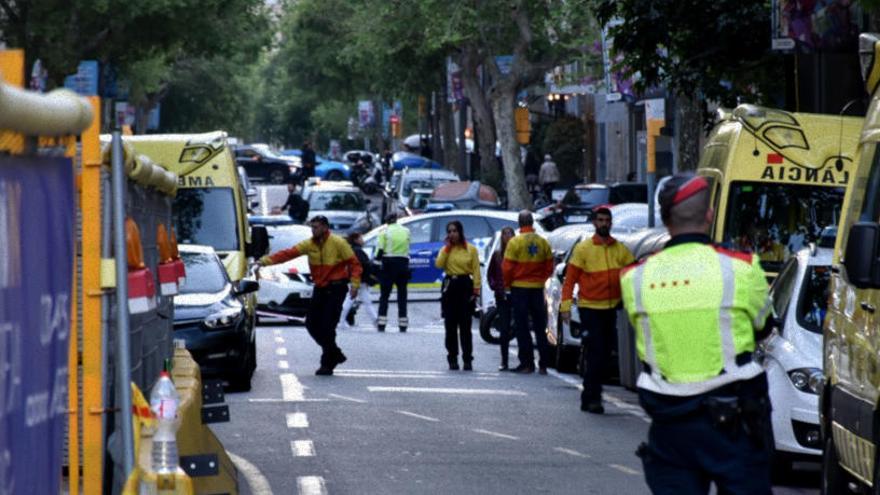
{"x": 241, "y": 382}
{"x": 489, "y": 327}
{"x": 334, "y": 175}
{"x": 566, "y": 356}
{"x": 834, "y": 479}
{"x": 277, "y": 176}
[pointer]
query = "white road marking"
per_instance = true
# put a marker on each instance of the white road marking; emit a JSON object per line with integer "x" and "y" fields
{"x": 276, "y": 332}
{"x": 283, "y": 364}
{"x": 571, "y": 452}
{"x": 258, "y": 483}
{"x": 281, "y": 351}
{"x": 275, "y": 399}
{"x": 496, "y": 434}
{"x": 619, "y": 403}
{"x": 386, "y": 375}
{"x": 302, "y": 448}
{"x": 438, "y": 390}
{"x": 311, "y": 485}
{"x": 415, "y": 372}
{"x": 624, "y": 469}
{"x": 291, "y": 388}
{"x": 419, "y": 416}
{"x": 297, "y": 420}
{"x": 279, "y": 340}
{"x": 350, "y": 399}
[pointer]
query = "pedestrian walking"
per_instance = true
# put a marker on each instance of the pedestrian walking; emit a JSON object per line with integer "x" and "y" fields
{"x": 698, "y": 310}
{"x": 528, "y": 263}
{"x": 297, "y": 207}
{"x": 308, "y": 159}
{"x": 393, "y": 252}
{"x": 495, "y": 276}
{"x": 368, "y": 278}
{"x": 594, "y": 267}
{"x": 461, "y": 287}
{"x": 333, "y": 265}
{"x": 548, "y": 177}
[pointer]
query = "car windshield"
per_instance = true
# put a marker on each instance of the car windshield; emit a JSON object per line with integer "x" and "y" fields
{"x": 426, "y": 183}
{"x": 420, "y": 200}
{"x": 286, "y": 237}
{"x": 336, "y": 200}
{"x": 593, "y": 195}
{"x": 204, "y": 273}
{"x": 206, "y": 216}
{"x": 813, "y": 304}
{"x": 777, "y": 220}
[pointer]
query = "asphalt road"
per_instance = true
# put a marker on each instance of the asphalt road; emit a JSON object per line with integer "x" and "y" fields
{"x": 394, "y": 420}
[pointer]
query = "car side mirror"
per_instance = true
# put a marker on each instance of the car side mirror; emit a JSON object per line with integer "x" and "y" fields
{"x": 247, "y": 286}
{"x": 862, "y": 250}
{"x": 259, "y": 244}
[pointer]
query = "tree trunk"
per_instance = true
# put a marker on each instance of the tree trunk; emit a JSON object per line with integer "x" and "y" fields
{"x": 689, "y": 114}
{"x": 483, "y": 122}
{"x": 503, "y": 100}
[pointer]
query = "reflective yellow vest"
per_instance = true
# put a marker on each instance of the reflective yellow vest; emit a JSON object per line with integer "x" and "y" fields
{"x": 394, "y": 241}
{"x": 695, "y": 308}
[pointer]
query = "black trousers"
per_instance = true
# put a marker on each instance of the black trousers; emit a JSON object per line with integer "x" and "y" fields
{"x": 530, "y": 314}
{"x": 505, "y": 327}
{"x": 458, "y": 316}
{"x": 601, "y": 328}
{"x": 322, "y": 318}
{"x": 395, "y": 273}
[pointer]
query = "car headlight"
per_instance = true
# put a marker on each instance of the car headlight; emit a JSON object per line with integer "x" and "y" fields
{"x": 808, "y": 380}
{"x": 223, "y": 318}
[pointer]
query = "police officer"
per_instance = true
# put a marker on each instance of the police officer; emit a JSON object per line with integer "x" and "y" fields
{"x": 528, "y": 263}
{"x": 697, "y": 310}
{"x": 595, "y": 268}
{"x": 332, "y": 264}
{"x": 393, "y": 251}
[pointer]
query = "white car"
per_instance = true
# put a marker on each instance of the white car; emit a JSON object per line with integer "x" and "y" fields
{"x": 286, "y": 289}
{"x": 792, "y": 354}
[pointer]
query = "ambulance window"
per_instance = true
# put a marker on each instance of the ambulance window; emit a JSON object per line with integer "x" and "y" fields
{"x": 871, "y": 207}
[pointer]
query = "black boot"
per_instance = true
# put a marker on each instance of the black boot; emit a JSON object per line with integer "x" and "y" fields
{"x": 467, "y": 365}
{"x": 453, "y": 362}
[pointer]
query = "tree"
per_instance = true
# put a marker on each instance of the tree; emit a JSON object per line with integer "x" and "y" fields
{"x": 536, "y": 35}
{"x": 700, "y": 51}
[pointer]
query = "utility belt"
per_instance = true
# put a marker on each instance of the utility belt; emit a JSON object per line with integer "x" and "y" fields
{"x": 733, "y": 414}
{"x": 450, "y": 280}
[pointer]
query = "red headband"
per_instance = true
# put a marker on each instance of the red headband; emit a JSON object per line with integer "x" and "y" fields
{"x": 690, "y": 188}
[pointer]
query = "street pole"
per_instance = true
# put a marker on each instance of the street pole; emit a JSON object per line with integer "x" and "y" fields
{"x": 123, "y": 346}
{"x": 462, "y": 140}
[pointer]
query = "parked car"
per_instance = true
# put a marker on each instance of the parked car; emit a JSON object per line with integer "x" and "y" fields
{"x": 591, "y": 196}
{"x": 419, "y": 179}
{"x": 344, "y": 206}
{"x": 273, "y": 220}
{"x": 250, "y": 191}
{"x": 466, "y": 195}
{"x": 262, "y": 164}
{"x": 418, "y": 200}
{"x": 325, "y": 168}
{"x": 428, "y": 232}
{"x": 792, "y": 355}
{"x": 286, "y": 289}
{"x": 405, "y": 159}
{"x": 212, "y": 317}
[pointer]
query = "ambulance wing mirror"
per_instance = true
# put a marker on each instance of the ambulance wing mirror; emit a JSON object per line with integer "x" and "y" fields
{"x": 861, "y": 257}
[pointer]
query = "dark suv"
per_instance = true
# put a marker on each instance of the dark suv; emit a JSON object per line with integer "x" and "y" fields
{"x": 262, "y": 164}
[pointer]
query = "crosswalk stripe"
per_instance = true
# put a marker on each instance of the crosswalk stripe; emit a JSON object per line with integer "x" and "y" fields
{"x": 311, "y": 485}
{"x": 302, "y": 448}
{"x": 440, "y": 390}
{"x": 297, "y": 420}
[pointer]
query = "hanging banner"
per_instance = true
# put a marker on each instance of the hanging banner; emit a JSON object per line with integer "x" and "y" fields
{"x": 366, "y": 114}
{"x": 36, "y": 270}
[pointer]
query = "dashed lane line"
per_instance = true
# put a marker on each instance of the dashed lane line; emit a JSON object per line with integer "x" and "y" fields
{"x": 571, "y": 452}
{"x": 443, "y": 390}
{"x": 311, "y": 485}
{"x": 419, "y": 416}
{"x": 495, "y": 434}
{"x": 297, "y": 420}
{"x": 387, "y": 375}
{"x": 302, "y": 448}
{"x": 625, "y": 470}
{"x": 283, "y": 364}
{"x": 281, "y": 351}
{"x": 291, "y": 389}
{"x": 345, "y": 397}
{"x": 277, "y": 332}
{"x": 258, "y": 483}
{"x": 414, "y": 372}
{"x": 279, "y": 340}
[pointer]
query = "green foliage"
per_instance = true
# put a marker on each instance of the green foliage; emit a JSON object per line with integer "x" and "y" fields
{"x": 564, "y": 139}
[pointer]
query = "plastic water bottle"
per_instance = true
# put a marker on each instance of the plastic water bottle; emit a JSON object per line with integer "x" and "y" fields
{"x": 164, "y": 400}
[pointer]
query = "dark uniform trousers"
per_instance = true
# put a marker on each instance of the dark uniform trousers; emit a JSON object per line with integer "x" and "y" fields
{"x": 528, "y": 307}
{"x": 688, "y": 448}
{"x": 505, "y": 328}
{"x": 395, "y": 272}
{"x": 601, "y": 328}
{"x": 322, "y": 318}
{"x": 457, "y": 306}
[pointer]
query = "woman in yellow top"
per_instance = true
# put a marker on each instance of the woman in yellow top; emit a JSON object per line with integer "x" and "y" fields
{"x": 461, "y": 288}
